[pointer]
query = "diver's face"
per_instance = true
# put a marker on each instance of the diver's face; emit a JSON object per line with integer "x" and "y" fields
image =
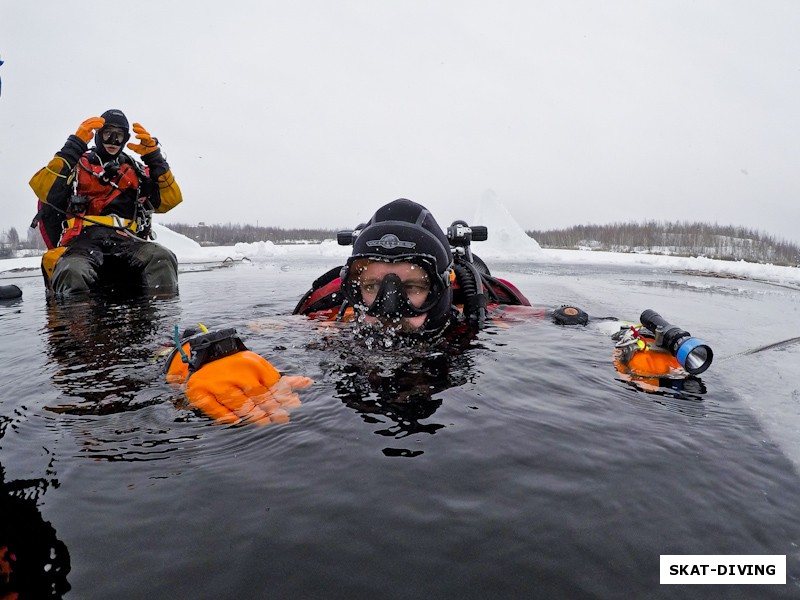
{"x": 112, "y": 139}
{"x": 416, "y": 284}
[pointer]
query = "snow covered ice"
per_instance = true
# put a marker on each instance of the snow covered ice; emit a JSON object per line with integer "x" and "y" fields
{"x": 507, "y": 241}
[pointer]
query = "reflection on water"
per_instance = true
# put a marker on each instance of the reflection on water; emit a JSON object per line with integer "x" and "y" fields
{"x": 98, "y": 347}
{"x": 34, "y": 563}
{"x": 680, "y": 395}
{"x": 538, "y": 472}
{"x": 102, "y": 357}
{"x": 689, "y": 387}
{"x": 393, "y": 382}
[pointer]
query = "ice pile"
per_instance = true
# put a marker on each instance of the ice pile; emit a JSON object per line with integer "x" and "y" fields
{"x": 507, "y": 239}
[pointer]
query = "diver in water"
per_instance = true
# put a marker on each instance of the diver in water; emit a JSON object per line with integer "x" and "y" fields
{"x": 403, "y": 284}
{"x": 95, "y": 206}
{"x": 404, "y": 276}
{"x": 410, "y": 287}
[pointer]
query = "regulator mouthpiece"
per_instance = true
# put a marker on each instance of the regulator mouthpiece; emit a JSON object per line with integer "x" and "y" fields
{"x": 693, "y": 354}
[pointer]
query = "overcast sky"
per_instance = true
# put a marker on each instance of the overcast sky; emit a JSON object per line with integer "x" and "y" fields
{"x": 313, "y": 113}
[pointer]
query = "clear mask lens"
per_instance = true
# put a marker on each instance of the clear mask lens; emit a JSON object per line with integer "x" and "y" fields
{"x": 392, "y": 290}
{"x": 112, "y": 137}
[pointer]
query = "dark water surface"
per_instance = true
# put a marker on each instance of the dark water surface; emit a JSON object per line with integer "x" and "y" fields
{"x": 522, "y": 468}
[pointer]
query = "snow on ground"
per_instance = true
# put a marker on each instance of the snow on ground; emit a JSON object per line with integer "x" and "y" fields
{"x": 189, "y": 251}
{"x": 507, "y": 241}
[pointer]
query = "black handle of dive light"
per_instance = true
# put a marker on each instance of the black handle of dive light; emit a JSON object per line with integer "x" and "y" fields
{"x": 347, "y": 237}
{"x": 462, "y": 234}
{"x": 652, "y": 320}
{"x": 668, "y": 336}
{"x": 344, "y": 238}
{"x": 480, "y": 233}
{"x": 693, "y": 355}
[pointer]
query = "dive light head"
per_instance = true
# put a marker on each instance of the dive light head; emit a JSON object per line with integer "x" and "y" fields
{"x": 693, "y": 355}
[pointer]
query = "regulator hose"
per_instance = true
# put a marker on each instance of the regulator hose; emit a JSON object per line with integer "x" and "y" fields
{"x": 469, "y": 279}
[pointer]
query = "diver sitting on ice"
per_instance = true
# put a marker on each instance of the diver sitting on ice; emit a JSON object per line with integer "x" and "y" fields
{"x": 95, "y": 207}
{"x": 403, "y": 281}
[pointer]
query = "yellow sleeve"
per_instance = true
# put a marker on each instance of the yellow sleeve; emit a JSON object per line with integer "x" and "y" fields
{"x": 55, "y": 177}
{"x": 169, "y": 191}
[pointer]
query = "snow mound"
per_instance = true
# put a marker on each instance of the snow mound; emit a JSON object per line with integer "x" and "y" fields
{"x": 264, "y": 251}
{"x": 174, "y": 240}
{"x": 507, "y": 239}
{"x": 189, "y": 251}
{"x": 258, "y": 251}
{"x": 186, "y": 249}
{"x": 331, "y": 248}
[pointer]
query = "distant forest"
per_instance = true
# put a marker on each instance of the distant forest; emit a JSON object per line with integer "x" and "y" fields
{"x": 231, "y": 233}
{"x": 676, "y": 238}
{"x": 652, "y": 237}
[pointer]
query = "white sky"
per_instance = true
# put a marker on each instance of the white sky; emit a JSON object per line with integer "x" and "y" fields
{"x": 313, "y": 113}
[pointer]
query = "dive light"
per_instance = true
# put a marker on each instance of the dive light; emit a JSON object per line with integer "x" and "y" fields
{"x": 348, "y": 236}
{"x": 458, "y": 234}
{"x": 461, "y": 234}
{"x": 693, "y": 355}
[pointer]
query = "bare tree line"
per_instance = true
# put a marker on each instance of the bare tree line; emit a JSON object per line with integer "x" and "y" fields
{"x": 232, "y": 233}
{"x": 681, "y": 238}
{"x": 684, "y": 238}
{"x": 206, "y": 235}
{"x": 10, "y": 242}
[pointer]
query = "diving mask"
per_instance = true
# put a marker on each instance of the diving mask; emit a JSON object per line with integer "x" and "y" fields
{"x": 113, "y": 136}
{"x": 401, "y": 288}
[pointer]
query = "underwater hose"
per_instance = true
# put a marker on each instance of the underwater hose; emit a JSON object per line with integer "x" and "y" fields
{"x": 692, "y": 354}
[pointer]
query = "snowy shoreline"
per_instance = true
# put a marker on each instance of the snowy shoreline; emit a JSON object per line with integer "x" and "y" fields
{"x": 189, "y": 252}
{"x": 507, "y": 242}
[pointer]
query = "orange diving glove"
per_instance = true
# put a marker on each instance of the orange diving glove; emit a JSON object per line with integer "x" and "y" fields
{"x": 86, "y": 129}
{"x": 649, "y": 363}
{"x": 147, "y": 143}
{"x": 637, "y": 355}
{"x": 231, "y": 384}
